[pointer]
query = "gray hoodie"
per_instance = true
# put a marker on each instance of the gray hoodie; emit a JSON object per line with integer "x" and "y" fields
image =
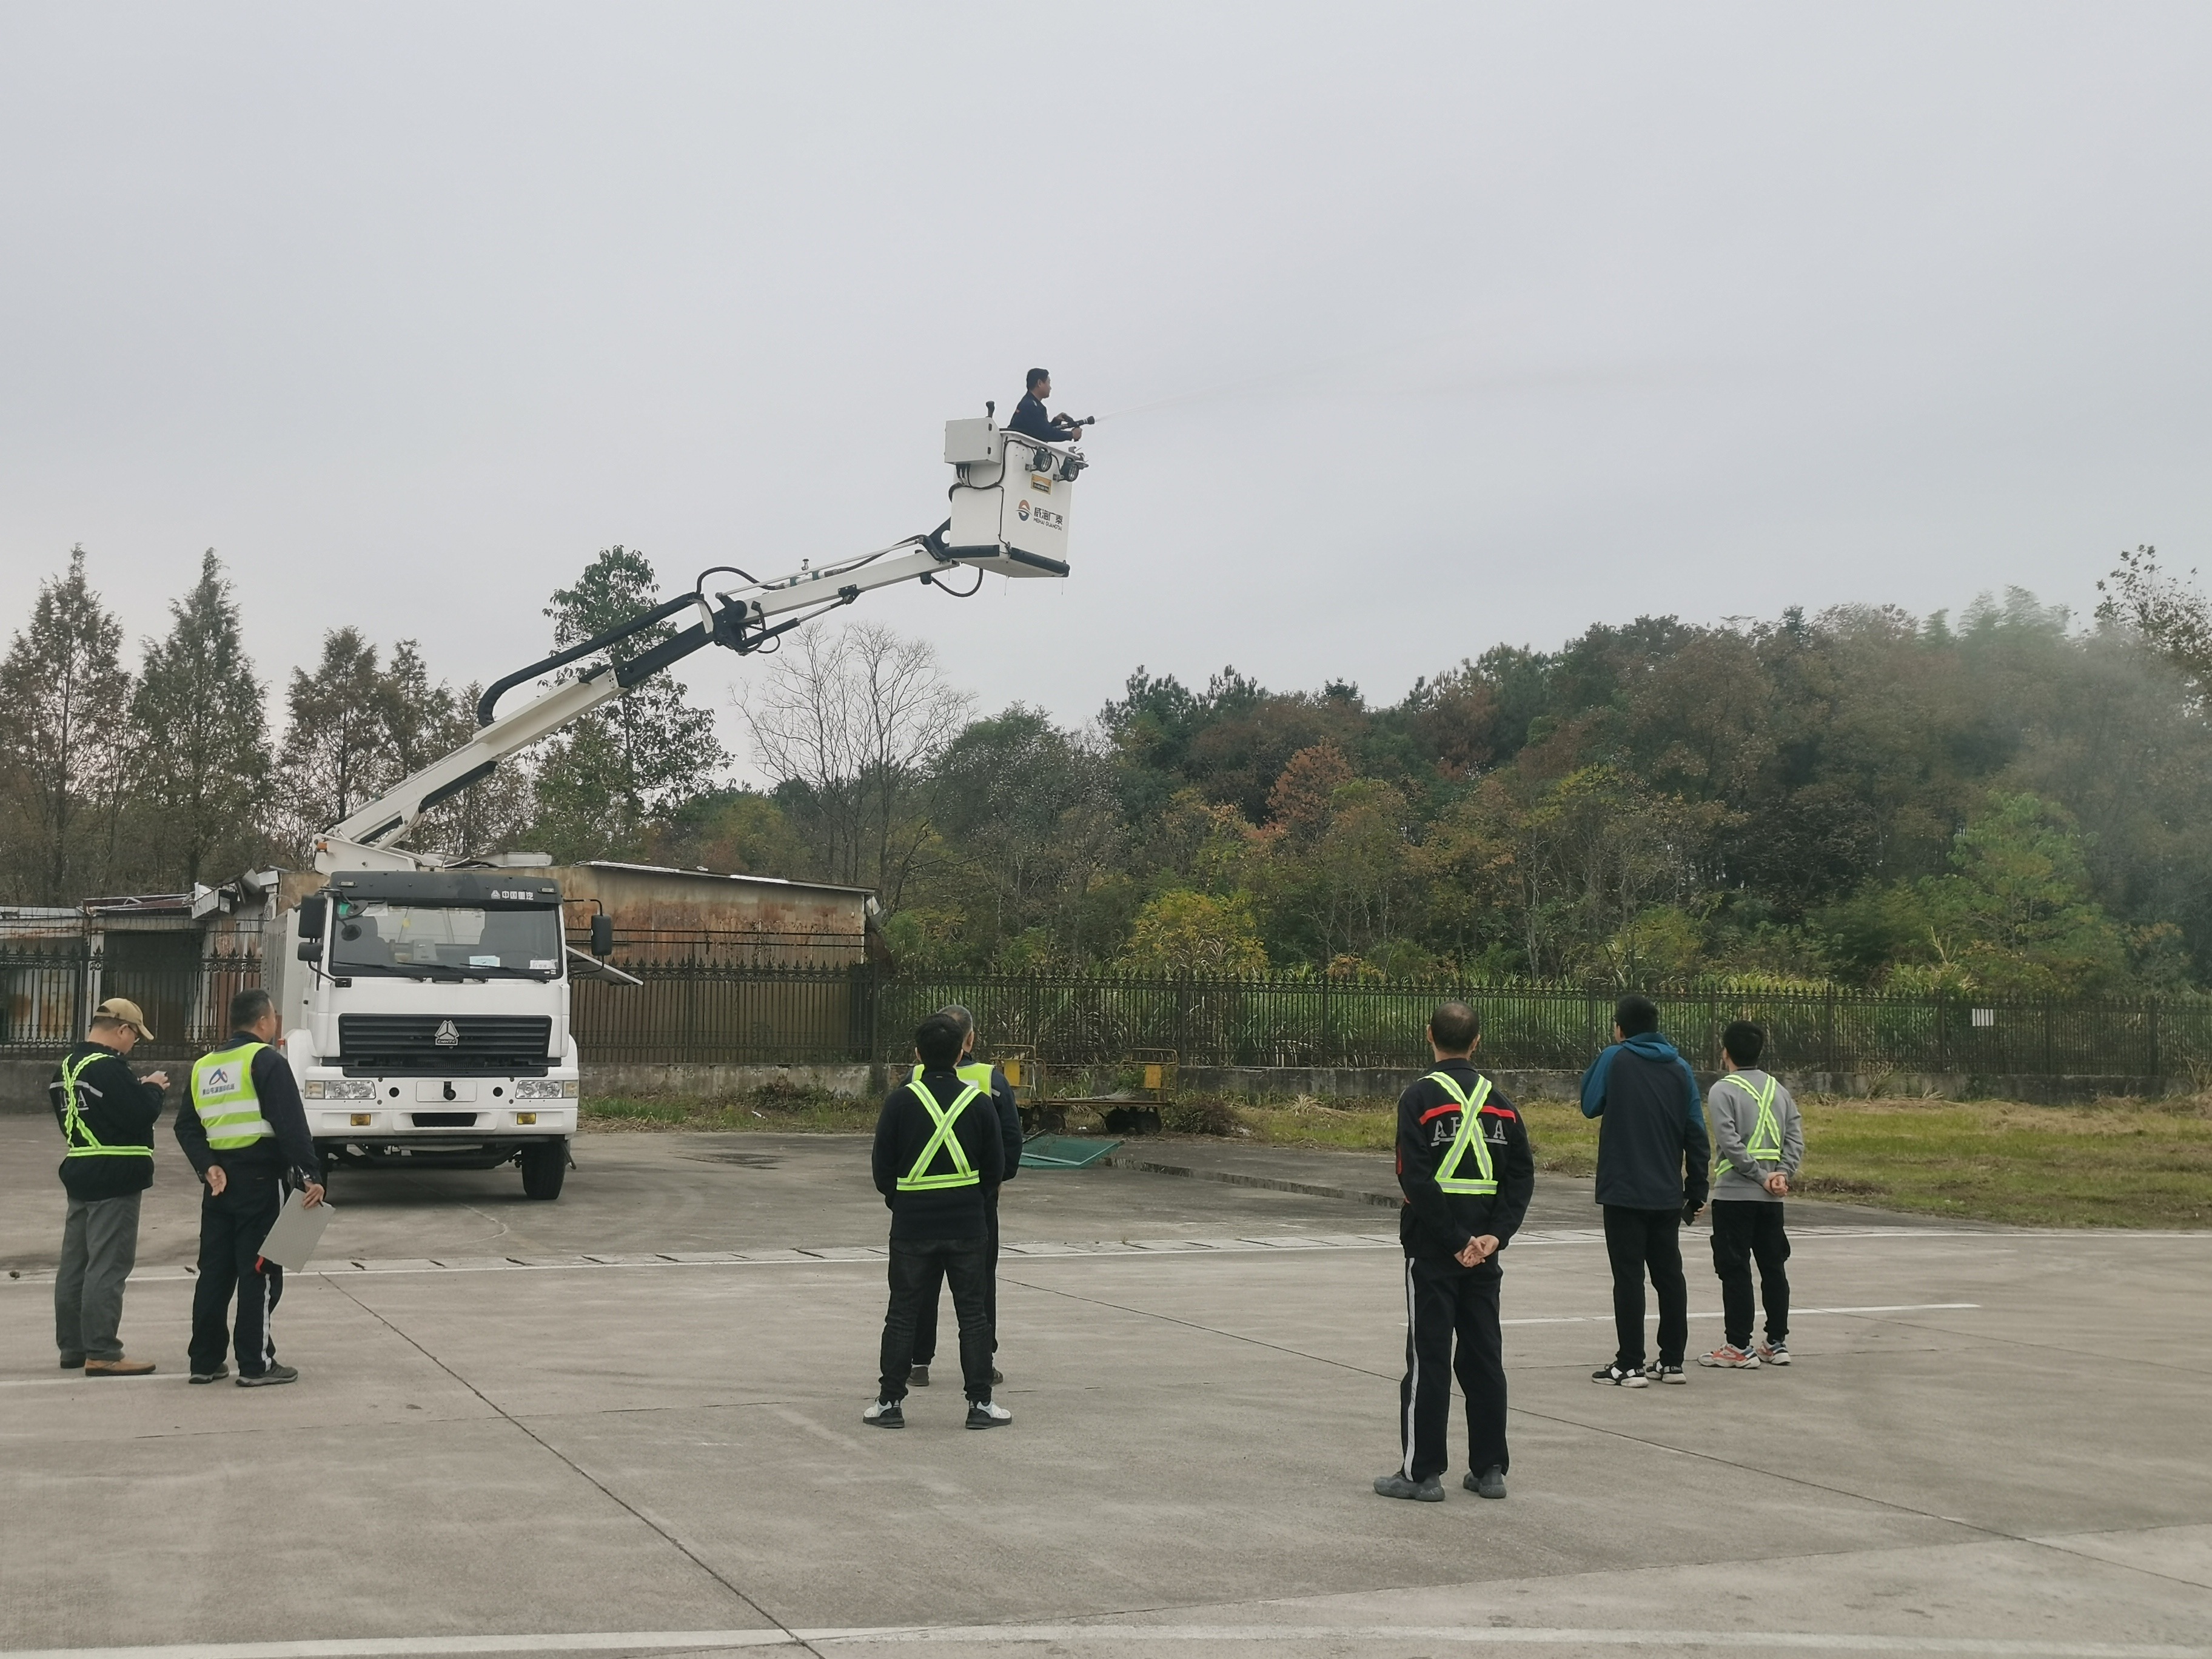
{"x": 1732, "y": 1105}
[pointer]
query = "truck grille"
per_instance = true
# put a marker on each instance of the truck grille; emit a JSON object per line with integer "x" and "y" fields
{"x": 400, "y": 1045}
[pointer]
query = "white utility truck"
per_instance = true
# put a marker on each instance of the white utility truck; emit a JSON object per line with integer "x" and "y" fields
{"x": 425, "y": 998}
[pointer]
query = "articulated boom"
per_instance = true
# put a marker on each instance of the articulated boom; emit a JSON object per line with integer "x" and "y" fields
{"x": 1012, "y": 489}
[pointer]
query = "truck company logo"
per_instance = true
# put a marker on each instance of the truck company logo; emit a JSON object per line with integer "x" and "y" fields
{"x": 1021, "y": 509}
{"x": 1045, "y": 515}
{"x": 448, "y": 1037}
{"x": 511, "y": 893}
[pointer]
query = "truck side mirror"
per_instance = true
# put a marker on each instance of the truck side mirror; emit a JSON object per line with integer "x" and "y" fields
{"x": 312, "y": 912}
{"x": 310, "y": 950}
{"x": 602, "y": 935}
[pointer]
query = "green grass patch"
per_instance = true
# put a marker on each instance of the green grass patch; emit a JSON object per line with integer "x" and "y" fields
{"x": 2113, "y": 1163}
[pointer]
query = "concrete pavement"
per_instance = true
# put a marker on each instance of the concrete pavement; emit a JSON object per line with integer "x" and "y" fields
{"x": 1998, "y": 1439}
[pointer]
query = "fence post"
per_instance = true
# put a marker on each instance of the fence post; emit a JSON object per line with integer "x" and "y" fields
{"x": 2157, "y": 1067}
{"x": 1828, "y": 1036}
{"x": 1942, "y": 1037}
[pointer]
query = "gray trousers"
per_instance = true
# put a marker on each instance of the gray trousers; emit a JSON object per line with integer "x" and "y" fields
{"x": 99, "y": 1245}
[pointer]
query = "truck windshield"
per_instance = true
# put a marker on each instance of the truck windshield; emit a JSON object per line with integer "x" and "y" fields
{"x": 439, "y": 941}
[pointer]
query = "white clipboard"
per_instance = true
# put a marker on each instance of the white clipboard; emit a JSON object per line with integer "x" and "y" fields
{"x": 291, "y": 1242}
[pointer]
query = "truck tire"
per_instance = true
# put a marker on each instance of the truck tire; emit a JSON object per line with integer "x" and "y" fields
{"x": 544, "y": 1167}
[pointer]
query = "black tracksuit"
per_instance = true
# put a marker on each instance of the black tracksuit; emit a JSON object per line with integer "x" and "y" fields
{"x": 233, "y": 1223}
{"x": 1009, "y": 1131}
{"x": 942, "y": 1231}
{"x": 1444, "y": 1300}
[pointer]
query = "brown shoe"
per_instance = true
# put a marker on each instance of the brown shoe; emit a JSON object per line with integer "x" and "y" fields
{"x": 117, "y": 1367}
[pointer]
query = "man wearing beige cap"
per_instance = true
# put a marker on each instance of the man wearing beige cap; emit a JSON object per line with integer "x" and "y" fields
{"x": 107, "y": 1117}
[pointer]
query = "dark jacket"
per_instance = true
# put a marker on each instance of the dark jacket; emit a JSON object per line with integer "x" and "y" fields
{"x": 1031, "y": 422}
{"x": 1435, "y": 1223}
{"x": 120, "y": 1111}
{"x": 1652, "y": 1153}
{"x": 904, "y": 1127}
{"x": 291, "y": 1156}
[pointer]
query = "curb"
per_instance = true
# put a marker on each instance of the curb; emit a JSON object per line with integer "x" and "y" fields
{"x": 1231, "y": 1178}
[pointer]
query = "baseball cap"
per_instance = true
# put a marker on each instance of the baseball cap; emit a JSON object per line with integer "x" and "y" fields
{"x": 125, "y": 1011}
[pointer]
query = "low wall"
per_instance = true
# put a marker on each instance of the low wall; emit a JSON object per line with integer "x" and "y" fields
{"x": 720, "y": 1082}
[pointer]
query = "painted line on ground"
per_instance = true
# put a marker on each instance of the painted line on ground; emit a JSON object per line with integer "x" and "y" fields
{"x": 426, "y": 1647}
{"x": 1795, "y": 1314}
{"x": 827, "y": 1255}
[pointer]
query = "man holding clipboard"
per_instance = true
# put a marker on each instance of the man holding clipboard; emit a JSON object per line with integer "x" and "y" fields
{"x": 246, "y": 1133}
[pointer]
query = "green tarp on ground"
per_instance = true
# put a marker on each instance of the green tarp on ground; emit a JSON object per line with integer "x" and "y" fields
{"x": 1064, "y": 1153}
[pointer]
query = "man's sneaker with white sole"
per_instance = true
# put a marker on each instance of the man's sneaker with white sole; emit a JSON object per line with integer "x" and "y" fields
{"x": 1729, "y": 1357}
{"x": 1621, "y": 1376}
{"x": 1774, "y": 1353}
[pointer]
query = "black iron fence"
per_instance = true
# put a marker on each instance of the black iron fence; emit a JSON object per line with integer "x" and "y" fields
{"x": 735, "y": 1013}
{"x": 182, "y": 982}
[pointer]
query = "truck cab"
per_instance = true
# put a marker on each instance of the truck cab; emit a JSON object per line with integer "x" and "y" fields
{"x": 426, "y": 1017}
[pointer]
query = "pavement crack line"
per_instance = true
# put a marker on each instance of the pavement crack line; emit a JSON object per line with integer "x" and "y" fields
{"x": 651, "y": 1522}
{"x": 1621, "y": 1434}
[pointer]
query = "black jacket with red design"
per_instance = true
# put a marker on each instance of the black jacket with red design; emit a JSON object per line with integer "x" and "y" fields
{"x": 1435, "y": 1223}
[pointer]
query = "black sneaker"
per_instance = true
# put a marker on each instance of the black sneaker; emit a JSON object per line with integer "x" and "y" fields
{"x": 987, "y": 1414}
{"x": 885, "y": 1414}
{"x": 1663, "y": 1372}
{"x": 270, "y": 1378}
{"x": 997, "y": 1377}
{"x": 1491, "y": 1483}
{"x": 1621, "y": 1376}
{"x": 917, "y": 1376}
{"x": 215, "y": 1376}
{"x": 1399, "y": 1484}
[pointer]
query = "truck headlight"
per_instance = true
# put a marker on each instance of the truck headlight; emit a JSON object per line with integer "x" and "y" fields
{"x": 344, "y": 1088}
{"x": 538, "y": 1088}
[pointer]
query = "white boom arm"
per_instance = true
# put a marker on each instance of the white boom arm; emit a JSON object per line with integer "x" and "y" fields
{"x": 739, "y": 622}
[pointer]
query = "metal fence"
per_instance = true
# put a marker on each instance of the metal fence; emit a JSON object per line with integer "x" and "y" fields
{"x": 729, "y": 1012}
{"x": 182, "y": 983}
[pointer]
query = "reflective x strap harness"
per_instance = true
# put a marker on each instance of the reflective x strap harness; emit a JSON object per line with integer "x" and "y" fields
{"x": 83, "y": 1142}
{"x": 963, "y": 1173}
{"x": 1766, "y": 1143}
{"x": 1469, "y": 1139}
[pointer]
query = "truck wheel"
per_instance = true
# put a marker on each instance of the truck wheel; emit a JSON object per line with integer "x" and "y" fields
{"x": 545, "y": 1166}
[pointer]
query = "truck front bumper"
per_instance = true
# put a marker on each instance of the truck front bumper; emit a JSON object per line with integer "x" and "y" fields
{"x": 418, "y": 1110}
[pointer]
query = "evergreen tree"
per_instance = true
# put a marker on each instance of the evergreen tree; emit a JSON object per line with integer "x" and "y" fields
{"x": 337, "y": 737}
{"x": 199, "y": 775}
{"x": 66, "y": 742}
{"x": 638, "y": 758}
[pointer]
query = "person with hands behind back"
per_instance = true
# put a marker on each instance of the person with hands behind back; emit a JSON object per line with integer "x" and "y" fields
{"x": 246, "y": 1133}
{"x": 1758, "y": 1141}
{"x": 1466, "y": 1173}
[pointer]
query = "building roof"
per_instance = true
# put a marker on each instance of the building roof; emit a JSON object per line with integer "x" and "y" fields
{"x": 717, "y": 875}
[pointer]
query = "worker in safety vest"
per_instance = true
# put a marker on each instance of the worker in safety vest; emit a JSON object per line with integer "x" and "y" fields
{"x": 1466, "y": 1170}
{"x": 938, "y": 1144}
{"x": 107, "y": 1117}
{"x": 246, "y": 1133}
{"x": 993, "y": 1080}
{"x": 1758, "y": 1141}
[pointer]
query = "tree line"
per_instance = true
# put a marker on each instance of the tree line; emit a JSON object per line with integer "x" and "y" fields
{"x": 2004, "y": 800}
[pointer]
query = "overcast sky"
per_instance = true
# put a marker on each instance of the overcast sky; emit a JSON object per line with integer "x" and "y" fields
{"x": 1530, "y": 316}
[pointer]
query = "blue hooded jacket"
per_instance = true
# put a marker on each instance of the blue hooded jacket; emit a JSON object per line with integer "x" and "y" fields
{"x": 1654, "y": 1153}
